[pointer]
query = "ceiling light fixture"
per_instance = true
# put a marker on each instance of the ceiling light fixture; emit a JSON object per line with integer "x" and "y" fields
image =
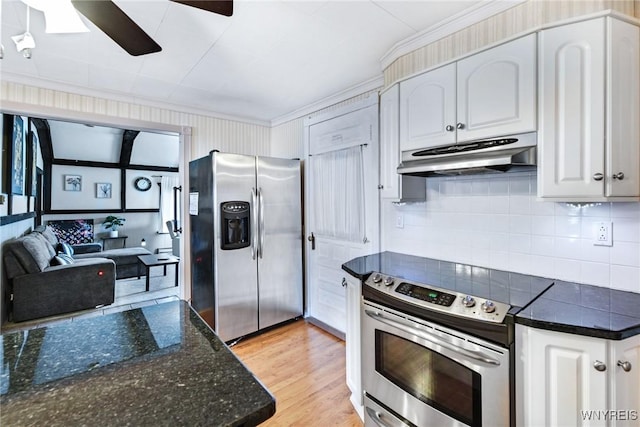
{"x": 25, "y": 42}
{"x": 59, "y": 15}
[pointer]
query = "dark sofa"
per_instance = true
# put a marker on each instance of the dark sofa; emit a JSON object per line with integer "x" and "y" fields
{"x": 43, "y": 283}
{"x": 126, "y": 259}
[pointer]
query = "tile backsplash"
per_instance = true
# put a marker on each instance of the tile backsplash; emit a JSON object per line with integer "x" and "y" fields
{"x": 496, "y": 221}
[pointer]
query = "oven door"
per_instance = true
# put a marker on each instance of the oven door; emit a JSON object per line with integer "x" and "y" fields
{"x": 432, "y": 375}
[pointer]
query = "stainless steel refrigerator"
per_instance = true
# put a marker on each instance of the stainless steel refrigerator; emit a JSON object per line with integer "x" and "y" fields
{"x": 246, "y": 241}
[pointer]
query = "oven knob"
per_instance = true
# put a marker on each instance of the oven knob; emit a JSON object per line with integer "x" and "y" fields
{"x": 388, "y": 281}
{"x": 468, "y": 301}
{"x": 488, "y": 306}
{"x": 377, "y": 278}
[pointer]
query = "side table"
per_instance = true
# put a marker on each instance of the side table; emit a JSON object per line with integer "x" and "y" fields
{"x": 106, "y": 239}
{"x": 158, "y": 260}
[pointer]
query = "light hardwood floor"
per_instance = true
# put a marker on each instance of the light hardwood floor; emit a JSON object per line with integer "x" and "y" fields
{"x": 304, "y": 368}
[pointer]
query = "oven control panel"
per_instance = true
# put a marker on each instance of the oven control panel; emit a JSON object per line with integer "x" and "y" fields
{"x": 434, "y": 298}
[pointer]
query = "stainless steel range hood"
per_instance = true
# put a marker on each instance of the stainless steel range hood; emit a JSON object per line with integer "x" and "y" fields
{"x": 509, "y": 153}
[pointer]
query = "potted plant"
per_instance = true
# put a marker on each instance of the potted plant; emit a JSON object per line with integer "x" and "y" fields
{"x": 112, "y": 223}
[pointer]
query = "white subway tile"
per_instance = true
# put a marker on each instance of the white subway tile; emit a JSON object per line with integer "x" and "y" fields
{"x": 520, "y": 224}
{"x": 625, "y": 210}
{"x": 597, "y": 209}
{"x": 595, "y": 273}
{"x": 499, "y": 186}
{"x": 625, "y": 253}
{"x": 566, "y": 269}
{"x": 568, "y": 226}
{"x": 592, "y": 253}
{"x": 520, "y": 205}
{"x": 625, "y": 278}
{"x": 626, "y": 230}
{"x": 567, "y": 247}
{"x": 542, "y": 245}
{"x": 543, "y": 225}
{"x": 520, "y": 243}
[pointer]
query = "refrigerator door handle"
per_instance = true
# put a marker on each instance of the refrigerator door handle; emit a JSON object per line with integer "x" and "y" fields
{"x": 254, "y": 223}
{"x": 261, "y": 225}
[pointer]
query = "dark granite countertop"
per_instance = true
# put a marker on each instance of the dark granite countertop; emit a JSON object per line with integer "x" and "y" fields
{"x": 538, "y": 302}
{"x": 156, "y": 365}
{"x": 585, "y": 310}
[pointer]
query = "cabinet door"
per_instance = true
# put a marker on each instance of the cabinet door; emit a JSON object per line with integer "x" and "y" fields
{"x": 558, "y": 378}
{"x": 427, "y": 107}
{"x": 623, "y": 109}
{"x": 497, "y": 91}
{"x": 352, "y": 342}
{"x": 571, "y": 96}
{"x": 389, "y": 146}
{"x": 625, "y": 373}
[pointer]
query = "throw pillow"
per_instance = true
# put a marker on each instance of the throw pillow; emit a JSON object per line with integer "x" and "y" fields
{"x": 66, "y": 249}
{"x": 62, "y": 259}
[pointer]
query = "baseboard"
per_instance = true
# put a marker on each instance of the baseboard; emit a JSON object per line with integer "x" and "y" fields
{"x": 333, "y": 331}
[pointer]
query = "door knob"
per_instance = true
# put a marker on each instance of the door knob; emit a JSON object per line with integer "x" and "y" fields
{"x": 626, "y": 366}
{"x": 450, "y": 128}
{"x": 600, "y": 366}
{"x": 598, "y": 176}
{"x": 312, "y": 239}
{"x": 619, "y": 176}
{"x": 460, "y": 126}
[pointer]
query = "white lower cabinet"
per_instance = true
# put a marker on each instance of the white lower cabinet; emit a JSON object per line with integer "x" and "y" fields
{"x": 573, "y": 380}
{"x": 625, "y": 381}
{"x": 352, "y": 343}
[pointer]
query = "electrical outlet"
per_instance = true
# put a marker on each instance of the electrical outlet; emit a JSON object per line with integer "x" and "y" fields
{"x": 603, "y": 230}
{"x": 400, "y": 221}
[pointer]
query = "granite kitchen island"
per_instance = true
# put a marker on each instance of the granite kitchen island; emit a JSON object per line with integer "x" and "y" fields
{"x": 156, "y": 365}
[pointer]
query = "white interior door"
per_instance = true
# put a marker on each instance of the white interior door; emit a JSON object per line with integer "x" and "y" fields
{"x": 341, "y": 205}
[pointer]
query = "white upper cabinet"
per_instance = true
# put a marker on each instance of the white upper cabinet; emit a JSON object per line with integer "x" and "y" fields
{"x": 589, "y": 94}
{"x": 489, "y": 94}
{"x": 395, "y": 187}
{"x": 497, "y": 91}
{"x": 428, "y": 109}
{"x": 389, "y": 149}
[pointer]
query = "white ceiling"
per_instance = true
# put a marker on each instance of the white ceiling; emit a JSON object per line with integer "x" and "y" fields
{"x": 269, "y": 59}
{"x": 75, "y": 141}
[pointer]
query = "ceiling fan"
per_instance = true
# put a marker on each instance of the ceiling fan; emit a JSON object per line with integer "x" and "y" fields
{"x": 116, "y": 24}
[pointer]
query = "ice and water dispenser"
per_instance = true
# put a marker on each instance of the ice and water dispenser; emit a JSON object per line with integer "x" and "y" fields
{"x": 235, "y": 228}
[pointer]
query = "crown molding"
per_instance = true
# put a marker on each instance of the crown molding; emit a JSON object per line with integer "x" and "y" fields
{"x": 119, "y": 97}
{"x": 455, "y": 23}
{"x": 353, "y": 91}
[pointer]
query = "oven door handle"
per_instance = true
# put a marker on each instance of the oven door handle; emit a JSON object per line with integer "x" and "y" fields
{"x": 470, "y": 353}
{"x": 376, "y": 417}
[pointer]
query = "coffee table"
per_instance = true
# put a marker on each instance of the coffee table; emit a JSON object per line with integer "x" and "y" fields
{"x": 155, "y": 261}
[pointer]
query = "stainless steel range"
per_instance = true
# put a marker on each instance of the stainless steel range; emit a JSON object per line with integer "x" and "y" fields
{"x": 434, "y": 356}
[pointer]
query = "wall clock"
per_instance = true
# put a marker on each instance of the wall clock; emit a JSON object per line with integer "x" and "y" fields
{"x": 142, "y": 184}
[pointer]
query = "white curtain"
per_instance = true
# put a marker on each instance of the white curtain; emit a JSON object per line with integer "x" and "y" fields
{"x": 166, "y": 202}
{"x": 338, "y": 194}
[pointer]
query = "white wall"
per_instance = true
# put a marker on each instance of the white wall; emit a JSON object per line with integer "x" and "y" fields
{"x": 496, "y": 221}
{"x": 86, "y": 197}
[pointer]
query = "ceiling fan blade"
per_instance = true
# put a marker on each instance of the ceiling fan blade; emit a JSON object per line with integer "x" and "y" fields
{"x": 117, "y": 25}
{"x": 221, "y": 7}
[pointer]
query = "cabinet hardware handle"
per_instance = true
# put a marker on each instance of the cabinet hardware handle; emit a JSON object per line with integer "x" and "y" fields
{"x": 460, "y": 125}
{"x": 619, "y": 176}
{"x": 380, "y": 186}
{"x": 600, "y": 366}
{"x": 598, "y": 176}
{"x": 312, "y": 239}
{"x": 626, "y": 366}
{"x": 344, "y": 285}
{"x": 450, "y": 128}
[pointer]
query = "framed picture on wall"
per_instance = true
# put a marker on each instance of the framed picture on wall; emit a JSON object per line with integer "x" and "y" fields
{"x": 17, "y": 156}
{"x": 32, "y": 163}
{"x": 72, "y": 183}
{"x": 103, "y": 190}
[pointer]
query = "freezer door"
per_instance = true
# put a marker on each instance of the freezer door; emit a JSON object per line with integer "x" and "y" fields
{"x": 280, "y": 240}
{"x": 235, "y": 270}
